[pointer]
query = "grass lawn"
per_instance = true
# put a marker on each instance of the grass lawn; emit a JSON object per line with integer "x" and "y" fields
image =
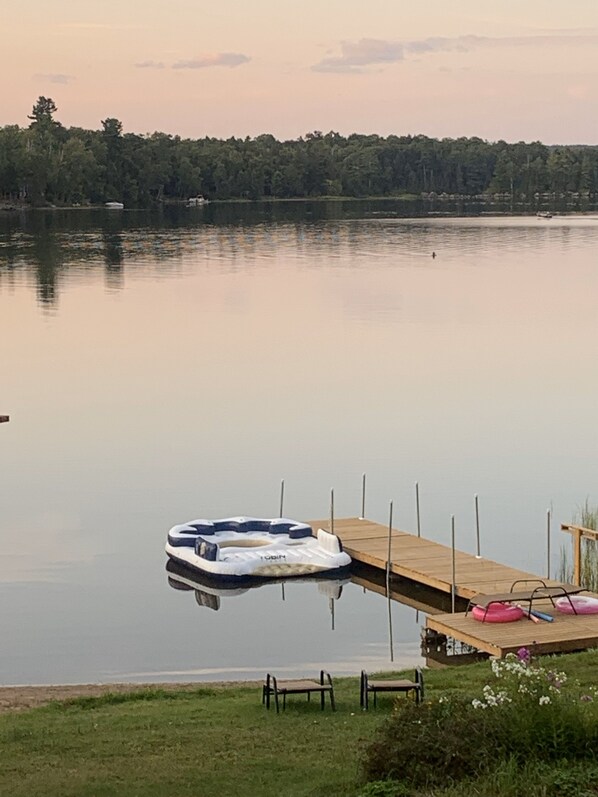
{"x": 208, "y": 741}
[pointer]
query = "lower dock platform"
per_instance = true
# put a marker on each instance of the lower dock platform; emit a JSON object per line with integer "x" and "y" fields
{"x": 565, "y": 634}
{"x": 424, "y": 562}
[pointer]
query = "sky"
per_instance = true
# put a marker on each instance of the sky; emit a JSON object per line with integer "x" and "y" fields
{"x": 515, "y": 70}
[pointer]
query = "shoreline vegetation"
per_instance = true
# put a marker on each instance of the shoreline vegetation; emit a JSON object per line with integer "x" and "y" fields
{"x": 568, "y": 205}
{"x": 157, "y": 740}
{"x": 48, "y": 164}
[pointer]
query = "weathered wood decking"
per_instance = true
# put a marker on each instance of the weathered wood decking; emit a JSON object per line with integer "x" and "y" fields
{"x": 430, "y": 563}
{"x": 565, "y": 634}
{"x": 422, "y": 560}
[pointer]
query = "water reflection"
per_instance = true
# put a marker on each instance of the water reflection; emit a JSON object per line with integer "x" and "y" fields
{"x": 59, "y": 245}
{"x": 198, "y": 358}
{"x": 209, "y": 591}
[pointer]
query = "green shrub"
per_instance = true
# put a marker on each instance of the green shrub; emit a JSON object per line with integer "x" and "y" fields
{"x": 525, "y": 716}
{"x": 426, "y": 745}
{"x": 384, "y": 788}
{"x": 573, "y": 781}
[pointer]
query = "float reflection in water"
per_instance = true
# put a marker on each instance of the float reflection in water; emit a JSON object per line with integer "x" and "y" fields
{"x": 241, "y": 547}
{"x": 209, "y": 591}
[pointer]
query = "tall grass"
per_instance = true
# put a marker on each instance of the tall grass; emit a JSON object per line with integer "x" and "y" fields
{"x": 586, "y": 516}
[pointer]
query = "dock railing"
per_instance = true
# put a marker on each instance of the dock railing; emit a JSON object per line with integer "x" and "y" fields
{"x": 578, "y": 532}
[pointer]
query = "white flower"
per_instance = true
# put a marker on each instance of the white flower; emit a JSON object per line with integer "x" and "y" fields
{"x": 544, "y": 700}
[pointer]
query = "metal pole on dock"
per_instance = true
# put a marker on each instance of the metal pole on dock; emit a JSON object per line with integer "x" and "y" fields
{"x": 392, "y": 653}
{"x": 332, "y": 511}
{"x": 388, "y": 562}
{"x": 419, "y": 530}
{"x": 281, "y": 497}
{"x": 477, "y": 527}
{"x": 548, "y": 513}
{"x": 388, "y": 599}
{"x": 362, "y": 516}
{"x": 453, "y": 587}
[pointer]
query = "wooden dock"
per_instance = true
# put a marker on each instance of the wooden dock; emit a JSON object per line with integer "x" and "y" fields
{"x": 422, "y": 560}
{"x": 429, "y": 563}
{"x": 565, "y": 634}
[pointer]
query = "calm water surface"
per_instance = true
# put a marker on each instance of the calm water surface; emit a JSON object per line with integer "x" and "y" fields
{"x": 162, "y": 368}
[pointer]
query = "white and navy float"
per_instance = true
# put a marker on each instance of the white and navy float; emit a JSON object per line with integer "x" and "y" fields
{"x": 242, "y": 547}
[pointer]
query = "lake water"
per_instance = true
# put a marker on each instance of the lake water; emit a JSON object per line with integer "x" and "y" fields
{"x": 158, "y": 368}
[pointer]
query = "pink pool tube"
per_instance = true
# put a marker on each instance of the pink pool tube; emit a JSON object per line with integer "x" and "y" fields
{"x": 497, "y": 613}
{"x": 583, "y": 604}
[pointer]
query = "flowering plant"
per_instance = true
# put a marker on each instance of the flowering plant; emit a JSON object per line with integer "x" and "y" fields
{"x": 521, "y": 682}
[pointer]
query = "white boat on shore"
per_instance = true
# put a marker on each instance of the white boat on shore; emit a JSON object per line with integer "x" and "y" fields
{"x": 114, "y": 205}
{"x": 242, "y": 547}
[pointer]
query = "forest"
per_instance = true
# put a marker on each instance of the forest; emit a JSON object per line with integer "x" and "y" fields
{"x": 49, "y": 164}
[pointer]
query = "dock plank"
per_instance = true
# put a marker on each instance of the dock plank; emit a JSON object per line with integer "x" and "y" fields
{"x": 429, "y": 563}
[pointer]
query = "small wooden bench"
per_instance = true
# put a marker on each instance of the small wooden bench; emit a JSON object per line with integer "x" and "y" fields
{"x": 272, "y": 686}
{"x": 389, "y": 685}
{"x": 542, "y": 591}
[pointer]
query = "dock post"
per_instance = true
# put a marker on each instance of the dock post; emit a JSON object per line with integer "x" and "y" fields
{"x": 388, "y": 562}
{"x": 281, "y": 497}
{"x": 419, "y": 530}
{"x": 362, "y": 516}
{"x": 548, "y": 543}
{"x": 332, "y": 511}
{"x": 453, "y": 586}
{"x": 477, "y": 527}
{"x": 577, "y": 559}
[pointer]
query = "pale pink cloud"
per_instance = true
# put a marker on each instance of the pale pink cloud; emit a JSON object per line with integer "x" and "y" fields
{"x": 214, "y": 59}
{"x": 357, "y": 55}
{"x": 54, "y": 77}
{"x": 150, "y": 65}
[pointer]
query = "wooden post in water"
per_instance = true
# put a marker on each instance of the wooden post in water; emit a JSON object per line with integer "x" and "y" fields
{"x": 477, "y": 527}
{"x": 362, "y": 516}
{"x": 419, "y": 529}
{"x": 453, "y": 585}
{"x": 281, "y": 497}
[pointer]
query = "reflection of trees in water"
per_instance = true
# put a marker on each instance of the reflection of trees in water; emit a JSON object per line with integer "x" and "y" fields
{"x": 47, "y": 259}
{"x": 113, "y": 260}
{"x": 64, "y": 244}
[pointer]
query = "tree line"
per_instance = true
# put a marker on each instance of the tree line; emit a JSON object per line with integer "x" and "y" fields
{"x": 47, "y": 163}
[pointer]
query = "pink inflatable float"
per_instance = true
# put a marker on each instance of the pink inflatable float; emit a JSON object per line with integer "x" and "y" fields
{"x": 584, "y": 604}
{"x": 497, "y": 613}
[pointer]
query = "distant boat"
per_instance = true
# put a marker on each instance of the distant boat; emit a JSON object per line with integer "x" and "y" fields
{"x": 114, "y": 205}
{"x": 194, "y": 201}
{"x": 544, "y": 214}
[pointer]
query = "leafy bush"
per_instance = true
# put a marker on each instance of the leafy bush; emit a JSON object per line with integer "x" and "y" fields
{"x": 384, "y": 788}
{"x": 574, "y": 781}
{"x": 426, "y": 745}
{"x": 525, "y": 715}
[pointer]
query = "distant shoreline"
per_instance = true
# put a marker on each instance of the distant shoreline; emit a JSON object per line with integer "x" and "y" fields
{"x": 21, "y": 698}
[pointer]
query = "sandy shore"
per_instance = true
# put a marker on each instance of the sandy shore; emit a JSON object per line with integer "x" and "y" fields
{"x": 19, "y": 698}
